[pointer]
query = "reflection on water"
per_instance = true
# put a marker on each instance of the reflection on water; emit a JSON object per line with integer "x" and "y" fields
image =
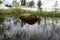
{"x": 16, "y": 30}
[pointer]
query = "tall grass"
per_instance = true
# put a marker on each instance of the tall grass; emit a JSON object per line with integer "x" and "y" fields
{"x": 17, "y": 11}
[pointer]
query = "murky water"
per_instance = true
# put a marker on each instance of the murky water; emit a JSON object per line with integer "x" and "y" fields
{"x": 14, "y": 29}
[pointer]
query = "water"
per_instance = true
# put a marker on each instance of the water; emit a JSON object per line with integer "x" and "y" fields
{"x": 14, "y": 29}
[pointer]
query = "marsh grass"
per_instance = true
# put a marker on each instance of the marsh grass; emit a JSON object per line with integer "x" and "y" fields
{"x": 17, "y": 11}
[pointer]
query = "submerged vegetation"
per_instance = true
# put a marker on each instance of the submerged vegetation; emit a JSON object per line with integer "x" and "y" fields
{"x": 15, "y": 12}
{"x": 15, "y": 29}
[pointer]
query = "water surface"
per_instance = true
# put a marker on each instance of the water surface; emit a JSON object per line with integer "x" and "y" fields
{"x": 15, "y": 29}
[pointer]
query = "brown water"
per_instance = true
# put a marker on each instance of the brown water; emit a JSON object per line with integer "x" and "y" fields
{"x": 14, "y": 29}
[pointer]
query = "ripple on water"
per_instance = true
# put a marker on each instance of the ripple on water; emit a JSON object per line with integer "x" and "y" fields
{"x": 45, "y": 31}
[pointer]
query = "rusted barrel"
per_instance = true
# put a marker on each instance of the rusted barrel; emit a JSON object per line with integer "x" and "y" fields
{"x": 28, "y": 18}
